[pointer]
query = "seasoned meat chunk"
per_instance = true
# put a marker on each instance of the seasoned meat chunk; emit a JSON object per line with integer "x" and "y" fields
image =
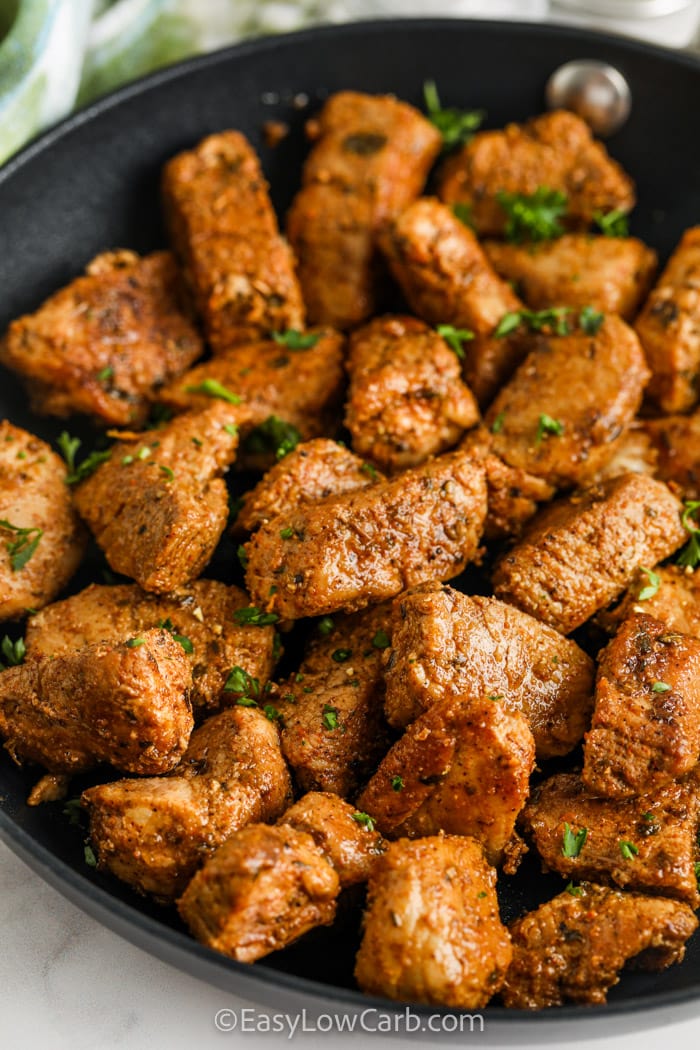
{"x": 332, "y": 709}
{"x": 406, "y": 400}
{"x": 41, "y": 538}
{"x": 645, "y": 730}
{"x": 345, "y": 836}
{"x": 556, "y": 150}
{"x": 580, "y": 553}
{"x": 224, "y": 229}
{"x": 647, "y": 843}
{"x": 371, "y": 157}
{"x": 126, "y": 704}
{"x": 570, "y": 399}
{"x": 153, "y": 833}
{"x": 106, "y": 343}
{"x": 432, "y": 932}
{"x": 634, "y": 453}
{"x": 676, "y": 442}
{"x": 313, "y": 471}
{"x": 572, "y": 948}
{"x": 462, "y": 768}
{"x": 668, "y": 593}
{"x": 261, "y": 890}
{"x": 446, "y": 645}
{"x": 447, "y": 279}
{"x": 669, "y": 329}
{"x": 612, "y": 274}
{"x": 200, "y": 616}
{"x": 158, "y": 506}
{"x": 353, "y": 550}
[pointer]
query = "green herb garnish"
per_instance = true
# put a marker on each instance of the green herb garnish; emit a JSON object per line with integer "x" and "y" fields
{"x": 574, "y": 891}
{"x": 573, "y": 842}
{"x": 135, "y": 643}
{"x": 689, "y": 557}
{"x": 628, "y": 849}
{"x": 397, "y": 783}
{"x": 12, "y": 653}
{"x": 293, "y": 339}
{"x": 661, "y": 687}
{"x": 286, "y": 533}
{"x": 213, "y": 388}
{"x": 381, "y": 640}
{"x": 251, "y": 616}
{"x": 498, "y": 423}
{"x": 533, "y": 216}
{"x": 365, "y": 820}
{"x": 613, "y": 223}
{"x": 652, "y": 588}
{"x": 330, "y": 717}
{"x": 325, "y": 626}
{"x": 455, "y": 125}
{"x": 536, "y": 320}
{"x": 274, "y": 435}
{"x": 167, "y": 625}
{"x": 590, "y": 320}
{"x": 455, "y": 337}
{"x": 547, "y": 426}
{"x": 23, "y": 546}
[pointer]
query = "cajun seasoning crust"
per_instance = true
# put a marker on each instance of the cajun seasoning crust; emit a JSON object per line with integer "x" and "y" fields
{"x": 669, "y": 329}
{"x": 260, "y": 891}
{"x": 646, "y": 723}
{"x": 591, "y": 386}
{"x": 462, "y": 768}
{"x": 579, "y": 554}
{"x": 556, "y": 150}
{"x": 446, "y": 645}
{"x": 406, "y": 400}
{"x": 371, "y": 157}
{"x": 676, "y": 601}
{"x": 34, "y": 495}
{"x": 202, "y": 613}
{"x": 572, "y": 948}
{"x": 153, "y": 833}
{"x": 662, "y": 828}
{"x": 354, "y": 550}
{"x": 676, "y": 442}
{"x": 104, "y": 344}
{"x": 433, "y": 901}
{"x": 612, "y": 274}
{"x": 447, "y": 279}
{"x": 224, "y": 229}
{"x": 126, "y": 704}
{"x": 158, "y": 506}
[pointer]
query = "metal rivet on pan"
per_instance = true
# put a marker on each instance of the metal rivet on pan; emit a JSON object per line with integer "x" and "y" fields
{"x": 594, "y": 90}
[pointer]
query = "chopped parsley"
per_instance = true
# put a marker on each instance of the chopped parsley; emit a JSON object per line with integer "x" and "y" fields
{"x": 90, "y": 858}
{"x": 167, "y": 473}
{"x": 554, "y": 318}
{"x": 242, "y": 556}
{"x": 239, "y": 681}
{"x": 365, "y": 820}
{"x": 68, "y": 447}
{"x": 273, "y": 435}
{"x": 286, "y": 533}
{"x": 167, "y": 625}
{"x": 381, "y": 640}
{"x": 330, "y": 717}
{"x": 341, "y": 655}
{"x": 498, "y": 423}
{"x": 246, "y": 701}
{"x": 455, "y": 125}
{"x": 325, "y": 626}
{"x": 455, "y": 337}
{"x": 74, "y": 811}
{"x": 105, "y": 373}
{"x": 661, "y": 687}
{"x": 293, "y": 339}
{"x": 574, "y": 891}
{"x": 251, "y": 616}
{"x": 612, "y": 223}
{"x": 213, "y": 388}
{"x": 397, "y": 783}
{"x": 135, "y": 643}
{"x": 464, "y": 213}
{"x": 546, "y": 426}
{"x": 271, "y": 713}
{"x": 23, "y": 546}
{"x": 370, "y": 471}
{"x": 590, "y": 320}
{"x": 651, "y": 589}
{"x": 533, "y": 216}
{"x": 573, "y": 841}
{"x": 12, "y": 653}
{"x": 628, "y": 849}
{"x": 689, "y": 557}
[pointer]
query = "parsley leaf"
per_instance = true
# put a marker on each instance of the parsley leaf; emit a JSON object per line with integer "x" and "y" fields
{"x": 239, "y": 681}
{"x": 497, "y": 425}
{"x": 167, "y": 625}
{"x": 464, "y": 212}
{"x": 213, "y": 388}
{"x": 286, "y": 533}
{"x": 574, "y": 891}
{"x": 330, "y": 717}
{"x": 365, "y": 819}
{"x": 573, "y": 842}
{"x": 397, "y": 783}
{"x": 689, "y": 557}
{"x": 533, "y": 216}
{"x": 272, "y": 714}
{"x": 341, "y": 655}
{"x": 88, "y": 466}
{"x": 90, "y": 858}
{"x": 23, "y": 546}
{"x": 370, "y": 471}
{"x": 590, "y": 320}
{"x": 652, "y": 588}
{"x": 546, "y": 426}
{"x": 274, "y": 435}
{"x": 381, "y": 640}
{"x": 68, "y": 447}
{"x": 612, "y": 223}
{"x": 661, "y": 687}
{"x": 455, "y": 125}
{"x": 628, "y": 849}
{"x": 13, "y": 653}
{"x": 325, "y": 626}
{"x": 253, "y": 617}
{"x": 105, "y": 373}
{"x": 135, "y": 643}
{"x": 293, "y": 339}
{"x": 536, "y": 320}
{"x": 455, "y": 337}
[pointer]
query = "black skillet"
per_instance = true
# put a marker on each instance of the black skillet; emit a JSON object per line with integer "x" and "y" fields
{"x": 92, "y": 184}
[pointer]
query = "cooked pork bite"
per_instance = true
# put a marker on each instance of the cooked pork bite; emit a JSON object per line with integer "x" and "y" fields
{"x": 357, "y": 549}
{"x": 580, "y": 553}
{"x": 107, "y": 342}
{"x": 572, "y": 948}
{"x": 345, "y": 836}
{"x": 432, "y": 932}
{"x": 153, "y": 833}
{"x": 41, "y": 538}
{"x": 158, "y": 506}
{"x": 406, "y": 400}
{"x": 669, "y": 329}
{"x": 126, "y": 704}
{"x": 462, "y": 768}
{"x": 313, "y": 471}
{"x": 668, "y": 593}
{"x": 634, "y": 453}
{"x": 200, "y": 616}
{"x": 370, "y": 158}
{"x": 645, "y": 730}
{"x": 570, "y": 399}
{"x": 676, "y": 442}
{"x": 556, "y": 150}
{"x": 648, "y": 843}
{"x": 611, "y": 274}
{"x": 224, "y": 229}
{"x": 332, "y": 709}
{"x": 446, "y": 645}
{"x": 260, "y": 891}
{"x": 447, "y": 279}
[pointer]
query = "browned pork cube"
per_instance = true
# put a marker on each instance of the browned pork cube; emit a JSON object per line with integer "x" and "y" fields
{"x": 446, "y": 645}
{"x": 260, "y": 891}
{"x": 676, "y": 442}
{"x": 647, "y": 843}
{"x": 106, "y": 343}
{"x": 158, "y": 506}
{"x": 462, "y": 768}
{"x": 406, "y": 400}
{"x": 556, "y": 150}
{"x": 669, "y": 328}
{"x": 153, "y": 833}
{"x": 358, "y": 549}
{"x": 645, "y": 730}
{"x": 371, "y": 157}
{"x": 126, "y": 704}
{"x": 611, "y": 274}
{"x": 41, "y": 538}
{"x": 446, "y": 278}
{"x": 200, "y": 616}
{"x": 581, "y": 552}
{"x": 432, "y": 932}
{"x": 224, "y": 229}
{"x": 572, "y": 948}
{"x": 561, "y": 414}
{"x": 668, "y": 593}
